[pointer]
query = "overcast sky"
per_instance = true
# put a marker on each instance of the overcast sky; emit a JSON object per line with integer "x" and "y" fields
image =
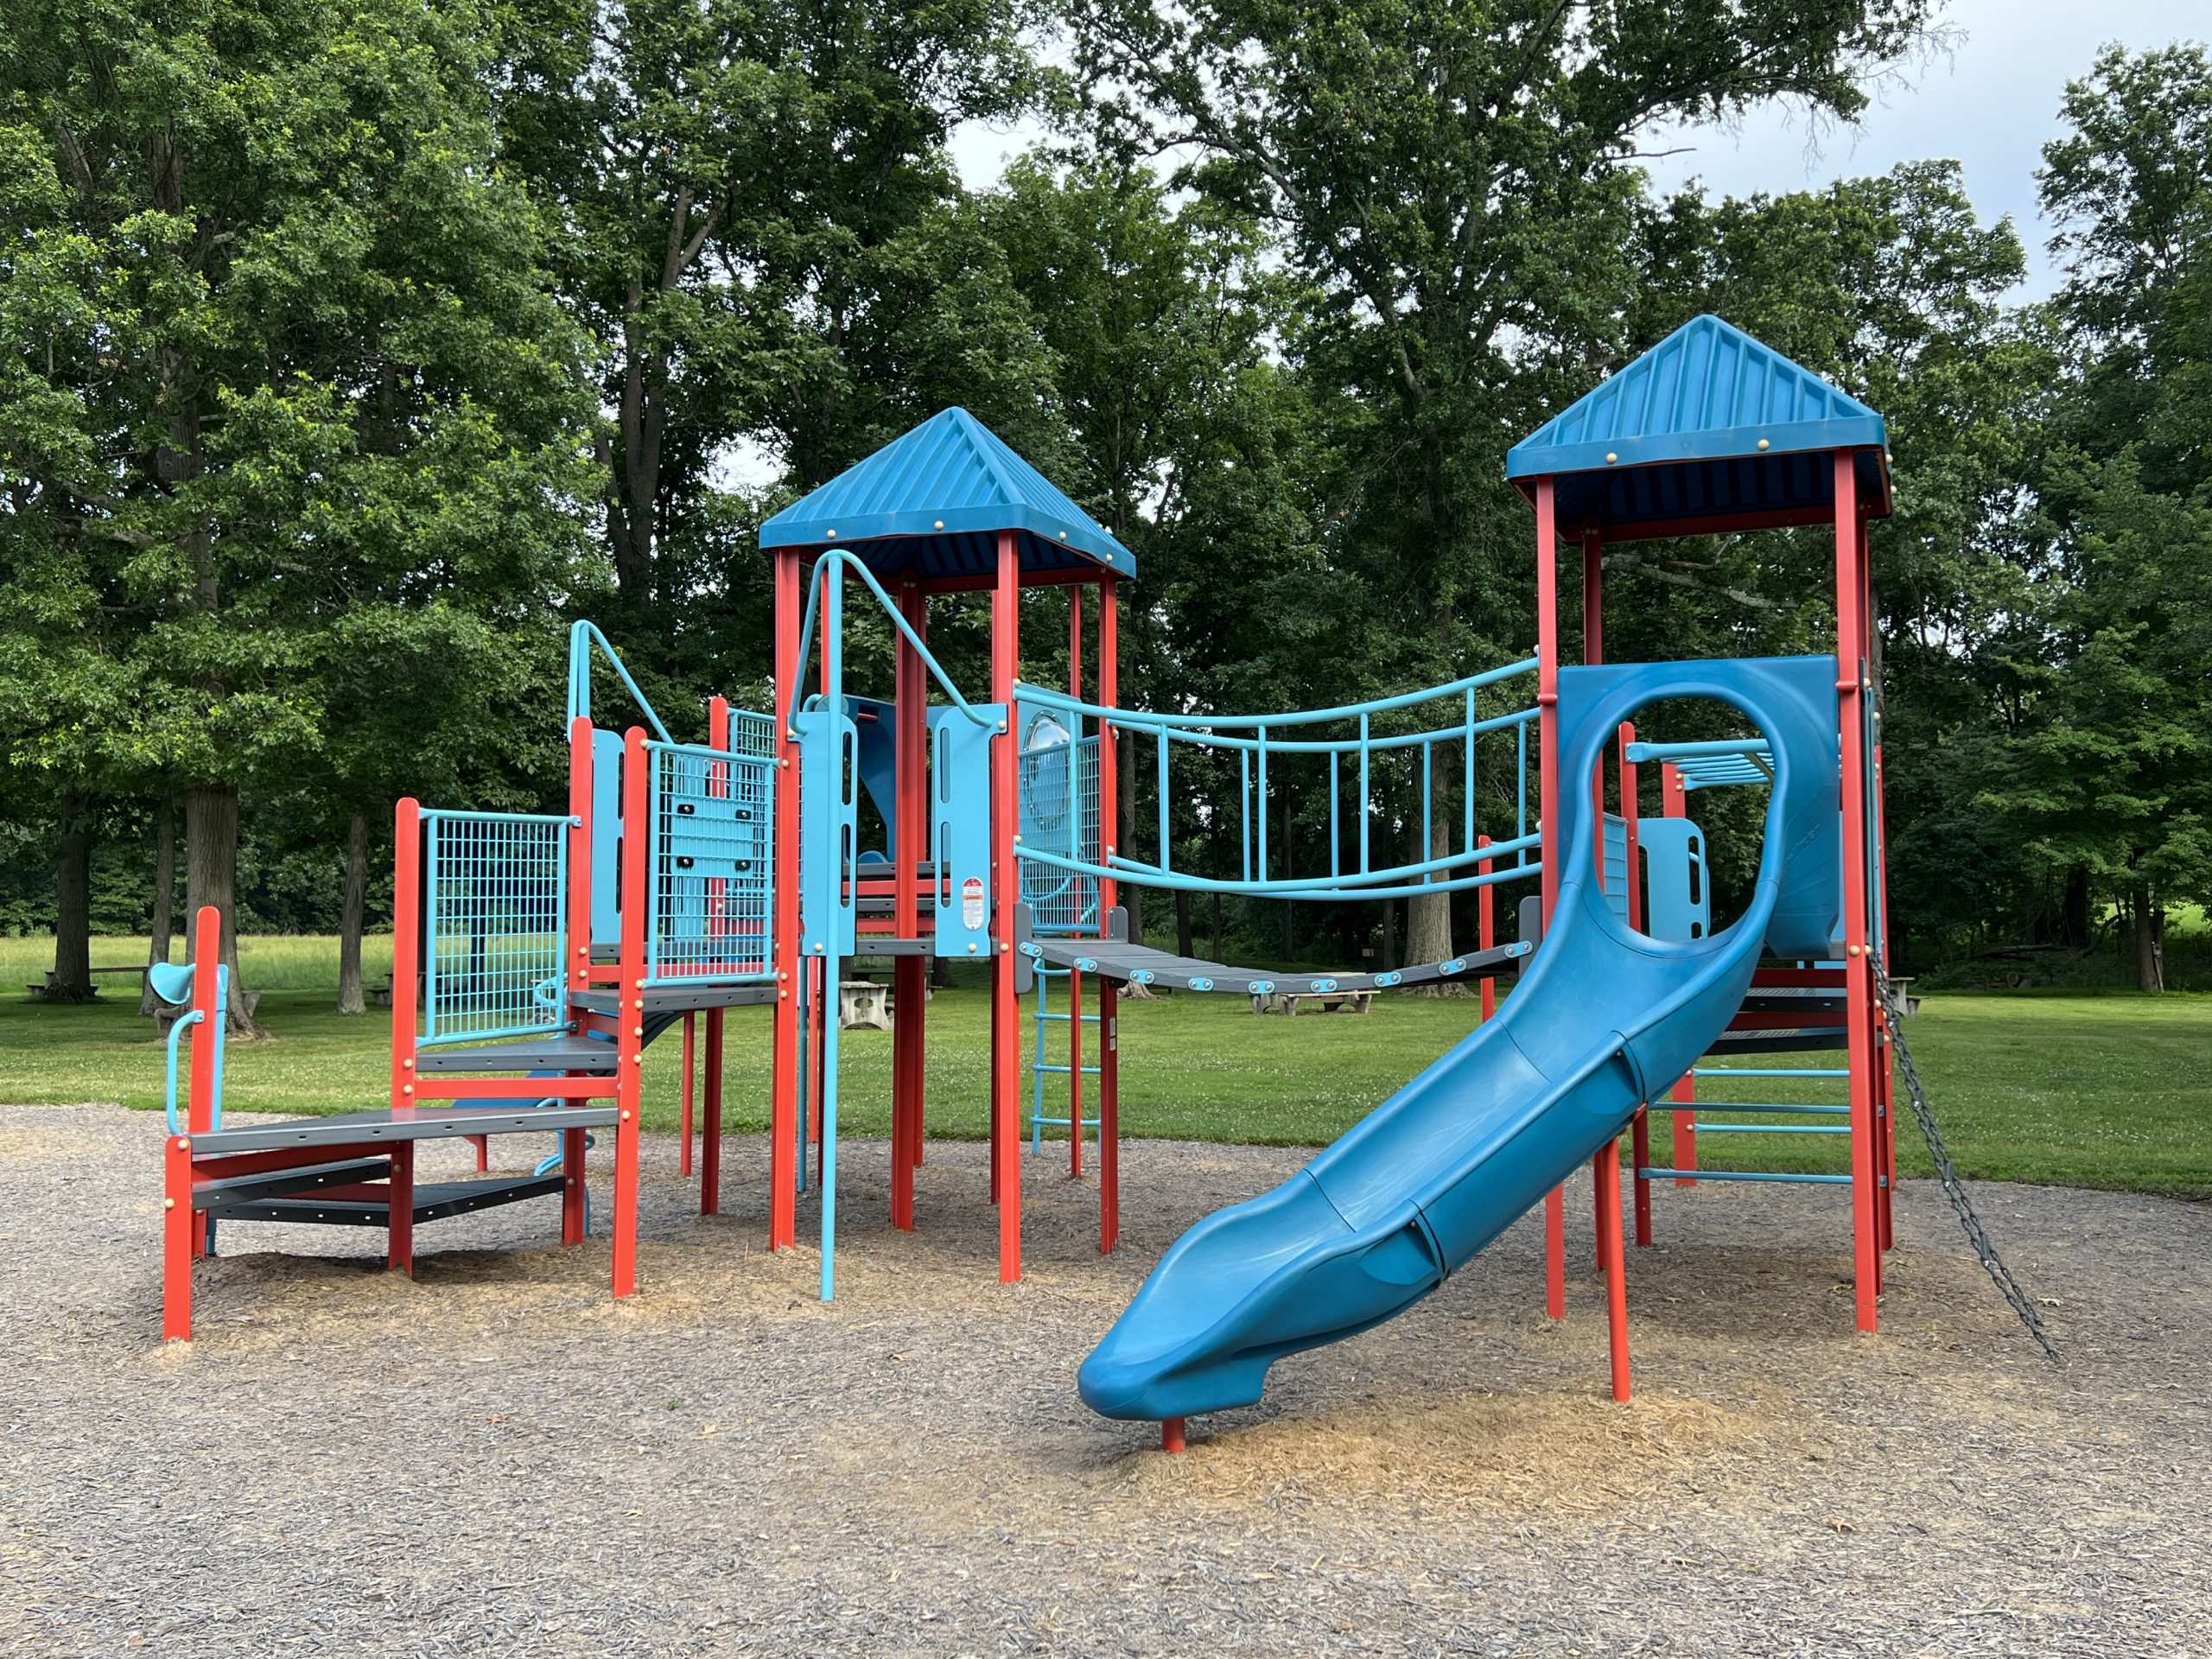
{"x": 1990, "y": 103}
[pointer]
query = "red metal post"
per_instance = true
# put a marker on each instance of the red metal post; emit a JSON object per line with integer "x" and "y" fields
{"x": 711, "y": 1146}
{"x": 177, "y": 1239}
{"x": 1170, "y": 1436}
{"x": 1608, "y": 1234}
{"x": 572, "y": 1186}
{"x": 1109, "y": 1062}
{"x": 684, "y": 1094}
{"x": 1850, "y": 667}
{"x": 909, "y": 974}
{"x": 1593, "y": 650}
{"x": 1006, "y": 1061}
{"x": 1640, "y": 1139}
{"x": 399, "y": 1215}
{"x": 783, "y": 1083}
{"x": 406, "y": 950}
{"x": 630, "y": 1001}
{"x": 1548, "y": 825}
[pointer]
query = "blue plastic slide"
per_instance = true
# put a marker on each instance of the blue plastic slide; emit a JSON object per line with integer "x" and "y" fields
{"x": 1605, "y": 1019}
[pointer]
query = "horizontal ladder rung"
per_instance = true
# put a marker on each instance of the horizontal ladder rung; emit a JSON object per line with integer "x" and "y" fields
{"x": 1738, "y": 1175}
{"x": 1772, "y": 1129}
{"x": 1769, "y": 1071}
{"x": 1088, "y": 1071}
{"x": 1701, "y": 1107}
{"x": 1061, "y": 1122}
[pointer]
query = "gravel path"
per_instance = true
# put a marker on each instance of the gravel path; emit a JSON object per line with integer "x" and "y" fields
{"x": 494, "y": 1458}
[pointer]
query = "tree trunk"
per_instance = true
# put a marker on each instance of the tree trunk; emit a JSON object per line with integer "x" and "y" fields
{"x": 1429, "y": 915}
{"x": 72, "y": 902}
{"x": 211, "y": 877}
{"x": 2149, "y": 974}
{"x": 1289, "y": 942}
{"x": 1183, "y": 941}
{"x": 1218, "y": 956}
{"x": 2074, "y": 909}
{"x": 350, "y": 1000}
{"x": 164, "y": 919}
{"x": 1390, "y": 933}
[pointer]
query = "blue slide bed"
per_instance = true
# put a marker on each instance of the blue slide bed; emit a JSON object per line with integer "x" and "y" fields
{"x": 1605, "y": 1019}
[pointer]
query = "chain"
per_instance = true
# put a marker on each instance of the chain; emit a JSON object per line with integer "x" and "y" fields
{"x": 1955, "y": 1189}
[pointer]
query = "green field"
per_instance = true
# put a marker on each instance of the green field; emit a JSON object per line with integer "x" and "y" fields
{"x": 2094, "y": 1090}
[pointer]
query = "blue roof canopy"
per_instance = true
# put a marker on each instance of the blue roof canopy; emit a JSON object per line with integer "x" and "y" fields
{"x": 933, "y": 502}
{"x": 1708, "y": 424}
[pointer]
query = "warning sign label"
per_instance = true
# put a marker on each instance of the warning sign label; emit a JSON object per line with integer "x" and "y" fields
{"x": 971, "y": 902}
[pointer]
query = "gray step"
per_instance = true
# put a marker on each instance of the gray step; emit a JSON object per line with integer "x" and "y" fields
{"x": 351, "y": 1129}
{"x": 563, "y": 1052}
{"x": 432, "y": 1202}
{"x": 227, "y": 1192}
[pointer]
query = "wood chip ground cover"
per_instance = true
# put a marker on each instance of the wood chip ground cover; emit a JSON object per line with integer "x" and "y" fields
{"x": 495, "y": 1459}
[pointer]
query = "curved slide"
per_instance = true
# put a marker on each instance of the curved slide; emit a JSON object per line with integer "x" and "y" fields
{"x": 1605, "y": 1019}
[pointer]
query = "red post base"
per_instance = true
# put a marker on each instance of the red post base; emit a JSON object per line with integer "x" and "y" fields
{"x": 1171, "y": 1435}
{"x": 1555, "y": 1253}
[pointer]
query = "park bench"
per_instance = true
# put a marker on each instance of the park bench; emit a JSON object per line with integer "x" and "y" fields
{"x": 1291, "y": 1003}
{"x": 53, "y": 983}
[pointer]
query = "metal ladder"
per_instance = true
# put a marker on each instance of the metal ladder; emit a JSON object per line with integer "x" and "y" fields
{"x": 1705, "y": 1108}
{"x": 1040, "y": 1068}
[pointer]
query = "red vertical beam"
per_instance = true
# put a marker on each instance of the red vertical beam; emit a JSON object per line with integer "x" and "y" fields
{"x": 1608, "y": 1236}
{"x": 1593, "y": 650}
{"x": 783, "y": 1083}
{"x": 1109, "y": 1072}
{"x": 630, "y": 1011}
{"x": 399, "y": 1214}
{"x": 1074, "y": 810}
{"x": 1486, "y": 929}
{"x": 1640, "y": 1138}
{"x": 909, "y": 974}
{"x": 205, "y": 1037}
{"x": 572, "y": 1186}
{"x": 1849, "y": 586}
{"x": 406, "y": 951}
{"x": 1885, "y": 1101}
{"x": 1006, "y": 1077}
{"x": 1674, "y": 803}
{"x": 1547, "y": 826}
{"x": 177, "y": 1230}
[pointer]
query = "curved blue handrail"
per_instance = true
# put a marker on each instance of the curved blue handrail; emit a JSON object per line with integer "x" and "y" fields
{"x": 1297, "y": 717}
{"x": 177, "y": 1028}
{"x": 838, "y": 557}
{"x": 582, "y": 637}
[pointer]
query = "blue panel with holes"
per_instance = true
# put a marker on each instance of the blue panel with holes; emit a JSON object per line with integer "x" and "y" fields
{"x": 960, "y": 828}
{"x": 1678, "y": 902}
{"x": 829, "y": 807}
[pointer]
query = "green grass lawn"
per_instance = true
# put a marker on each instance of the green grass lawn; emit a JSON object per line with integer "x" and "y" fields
{"x": 2094, "y": 1090}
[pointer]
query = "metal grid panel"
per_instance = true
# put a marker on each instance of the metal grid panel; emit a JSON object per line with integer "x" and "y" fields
{"x": 1061, "y": 901}
{"x": 495, "y": 887}
{"x": 710, "y": 887}
{"x": 753, "y": 735}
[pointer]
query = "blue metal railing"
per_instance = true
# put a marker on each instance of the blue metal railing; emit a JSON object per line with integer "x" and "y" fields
{"x": 1361, "y": 767}
{"x": 710, "y": 888}
{"x": 495, "y": 895}
{"x": 582, "y": 636}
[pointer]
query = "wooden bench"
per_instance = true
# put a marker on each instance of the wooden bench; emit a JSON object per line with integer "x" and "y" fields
{"x": 1291, "y": 1002}
{"x": 53, "y": 983}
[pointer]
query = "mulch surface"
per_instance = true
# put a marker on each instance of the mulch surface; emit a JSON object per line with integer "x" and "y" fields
{"x": 495, "y": 1459}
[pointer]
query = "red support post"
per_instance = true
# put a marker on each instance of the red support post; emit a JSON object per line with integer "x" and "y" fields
{"x": 630, "y": 1003}
{"x": 783, "y": 1083}
{"x": 1005, "y": 1059}
{"x": 178, "y": 1228}
{"x": 710, "y": 1145}
{"x": 572, "y": 1186}
{"x": 399, "y": 1212}
{"x": 1547, "y": 824}
{"x": 1110, "y": 799}
{"x": 1631, "y": 815}
{"x": 1608, "y": 1234}
{"x": 406, "y": 950}
{"x": 1172, "y": 1436}
{"x": 1859, "y": 998}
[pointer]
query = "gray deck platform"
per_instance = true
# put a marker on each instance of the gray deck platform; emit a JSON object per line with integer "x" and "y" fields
{"x": 1126, "y": 963}
{"x": 424, "y": 1123}
{"x": 669, "y": 1000}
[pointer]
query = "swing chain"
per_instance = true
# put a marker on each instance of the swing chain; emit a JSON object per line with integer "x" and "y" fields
{"x": 1954, "y": 1188}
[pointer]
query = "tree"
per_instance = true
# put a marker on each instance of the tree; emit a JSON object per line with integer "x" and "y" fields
{"x": 297, "y": 355}
{"x": 1459, "y": 187}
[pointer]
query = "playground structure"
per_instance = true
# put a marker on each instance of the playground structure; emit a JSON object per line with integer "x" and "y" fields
{"x": 541, "y": 955}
